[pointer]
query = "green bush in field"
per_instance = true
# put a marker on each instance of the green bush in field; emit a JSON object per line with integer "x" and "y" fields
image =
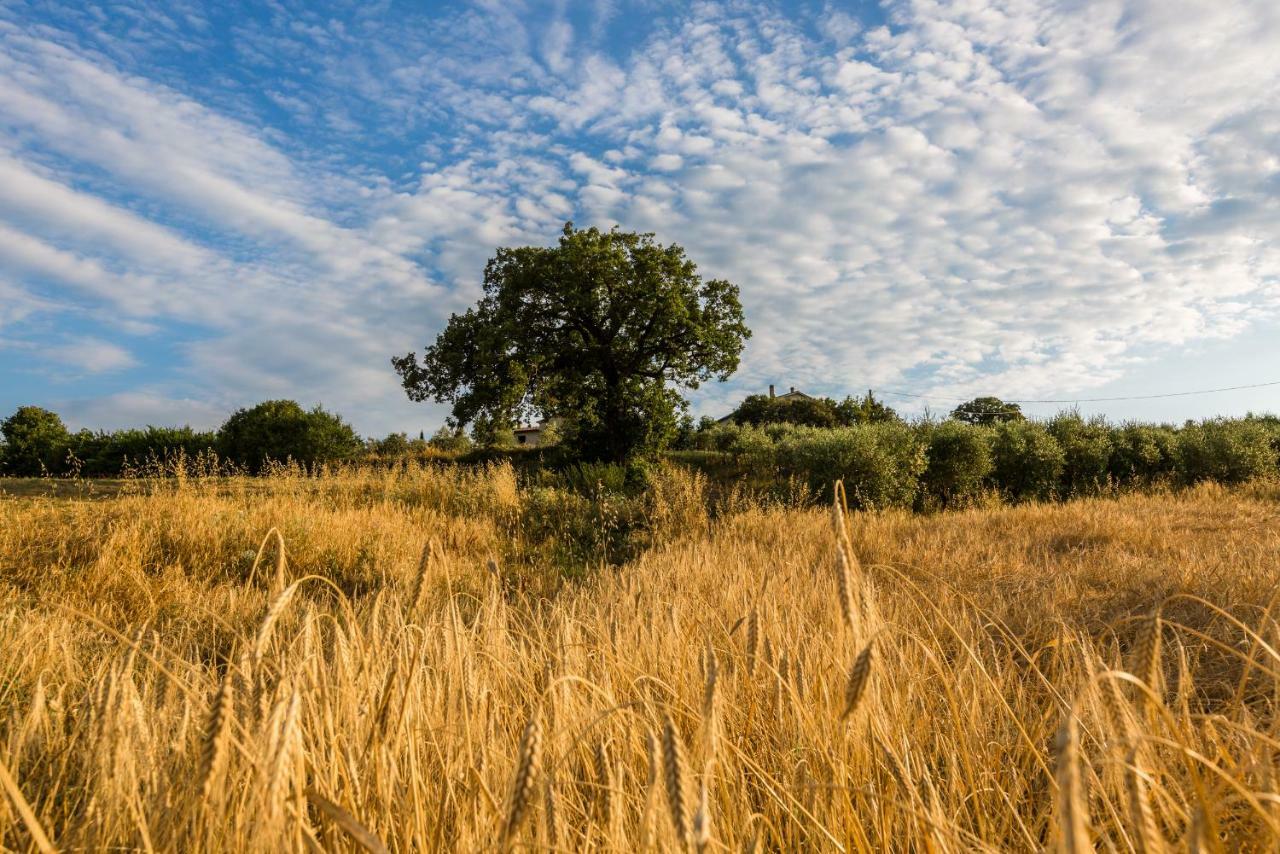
{"x": 959, "y": 462}
{"x": 716, "y": 437}
{"x": 1143, "y": 453}
{"x": 759, "y": 443}
{"x": 280, "y": 430}
{"x": 1227, "y": 451}
{"x": 880, "y": 464}
{"x": 35, "y": 442}
{"x": 1028, "y": 461}
{"x": 1086, "y": 452}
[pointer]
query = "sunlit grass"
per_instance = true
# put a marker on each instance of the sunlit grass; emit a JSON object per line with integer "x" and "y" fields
{"x": 994, "y": 679}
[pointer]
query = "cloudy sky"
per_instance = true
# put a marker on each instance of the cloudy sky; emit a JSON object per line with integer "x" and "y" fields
{"x": 207, "y": 205}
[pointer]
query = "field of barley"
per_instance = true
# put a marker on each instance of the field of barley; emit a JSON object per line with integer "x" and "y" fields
{"x": 429, "y": 659}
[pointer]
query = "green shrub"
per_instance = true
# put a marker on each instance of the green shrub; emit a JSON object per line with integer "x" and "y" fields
{"x": 1143, "y": 453}
{"x": 880, "y": 464}
{"x": 1225, "y": 451}
{"x": 280, "y": 430}
{"x": 1027, "y": 460}
{"x": 1086, "y": 452}
{"x": 959, "y": 462}
{"x": 716, "y": 437}
{"x": 35, "y": 442}
{"x": 106, "y": 454}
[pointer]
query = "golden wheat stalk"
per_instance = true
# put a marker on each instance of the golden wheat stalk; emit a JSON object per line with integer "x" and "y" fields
{"x": 1073, "y": 824}
{"x": 281, "y": 574}
{"x": 702, "y": 820}
{"x": 678, "y": 785}
{"x": 844, "y": 585}
{"x": 361, "y": 835}
{"x": 1146, "y": 653}
{"x": 263, "y": 637}
{"x": 38, "y": 837}
{"x": 550, "y": 812}
{"x": 420, "y": 578}
{"x": 604, "y": 787}
{"x": 710, "y": 721}
{"x": 528, "y": 764}
{"x": 1143, "y": 818}
{"x": 859, "y": 676}
{"x": 218, "y": 736}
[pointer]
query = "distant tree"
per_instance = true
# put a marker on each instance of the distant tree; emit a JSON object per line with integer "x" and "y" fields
{"x": 393, "y": 446}
{"x": 758, "y": 409}
{"x": 602, "y": 326}
{"x": 281, "y": 430}
{"x": 865, "y": 410}
{"x": 450, "y": 439}
{"x": 35, "y": 442}
{"x": 987, "y": 410}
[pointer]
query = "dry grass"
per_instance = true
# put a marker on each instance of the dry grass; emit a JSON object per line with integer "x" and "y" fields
{"x": 1102, "y": 674}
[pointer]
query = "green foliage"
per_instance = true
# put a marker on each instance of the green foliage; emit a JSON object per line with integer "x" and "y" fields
{"x": 394, "y": 446}
{"x": 1225, "y": 451}
{"x": 760, "y": 409}
{"x": 880, "y": 464}
{"x": 987, "y": 410}
{"x": 960, "y": 462}
{"x": 597, "y": 327}
{"x": 1143, "y": 453}
{"x": 35, "y": 442}
{"x": 864, "y": 410}
{"x": 1086, "y": 452}
{"x": 281, "y": 430}
{"x": 450, "y": 440}
{"x": 1028, "y": 461}
{"x": 107, "y": 454}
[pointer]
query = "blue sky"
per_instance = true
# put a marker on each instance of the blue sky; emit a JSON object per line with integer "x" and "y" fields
{"x": 207, "y": 205}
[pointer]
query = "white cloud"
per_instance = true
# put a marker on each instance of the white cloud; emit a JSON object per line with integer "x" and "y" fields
{"x": 1008, "y": 197}
{"x": 91, "y": 356}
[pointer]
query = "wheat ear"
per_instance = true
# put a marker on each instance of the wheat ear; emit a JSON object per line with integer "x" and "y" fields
{"x": 676, "y": 770}
{"x": 859, "y": 675}
{"x": 218, "y": 739}
{"x": 527, "y": 764}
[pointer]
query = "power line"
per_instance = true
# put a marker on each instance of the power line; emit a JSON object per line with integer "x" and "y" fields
{"x": 927, "y": 397}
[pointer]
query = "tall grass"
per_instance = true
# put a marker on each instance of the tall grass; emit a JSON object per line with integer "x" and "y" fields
{"x": 387, "y": 671}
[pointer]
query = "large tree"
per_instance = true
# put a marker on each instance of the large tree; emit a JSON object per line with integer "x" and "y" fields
{"x": 35, "y": 442}
{"x": 599, "y": 329}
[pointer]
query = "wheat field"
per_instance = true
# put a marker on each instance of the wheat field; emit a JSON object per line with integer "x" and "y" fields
{"x": 387, "y": 662}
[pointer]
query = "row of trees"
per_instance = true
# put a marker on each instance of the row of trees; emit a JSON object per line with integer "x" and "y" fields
{"x": 37, "y": 442}
{"x": 602, "y": 329}
{"x": 956, "y": 462}
{"x": 760, "y": 409}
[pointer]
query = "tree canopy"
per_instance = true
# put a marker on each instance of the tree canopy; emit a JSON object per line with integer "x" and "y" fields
{"x": 760, "y": 409}
{"x": 599, "y": 329}
{"x": 281, "y": 430}
{"x": 35, "y": 442}
{"x": 987, "y": 410}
